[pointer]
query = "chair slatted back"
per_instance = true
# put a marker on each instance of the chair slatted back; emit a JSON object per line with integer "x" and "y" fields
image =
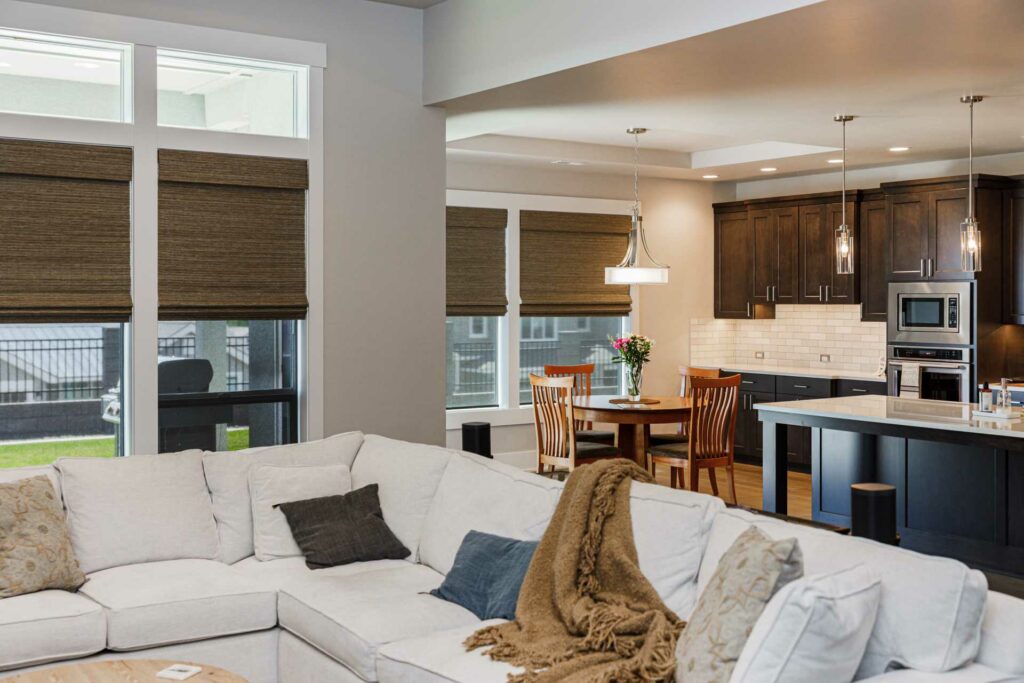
{"x": 552, "y": 411}
{"x": 582, "y": 375}
{"x": 714, "y": 407}
{"x": 687, "y": 373}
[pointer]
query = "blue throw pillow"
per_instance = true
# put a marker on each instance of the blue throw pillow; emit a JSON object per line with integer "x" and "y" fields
{"x": 487, "y": 574}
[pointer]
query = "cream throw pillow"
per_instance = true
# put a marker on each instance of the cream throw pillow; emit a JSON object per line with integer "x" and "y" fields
{"x": 35, "y": 550}
{"x": 747, "y": 577}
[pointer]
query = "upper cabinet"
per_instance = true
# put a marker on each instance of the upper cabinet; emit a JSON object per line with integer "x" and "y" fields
{"x": 872, "y": 219}
{"x": 819, "y": 282}
{"x": 775, "y": 236}
{"x": 734, "y": 251}
{"x": 1013, "y": 253}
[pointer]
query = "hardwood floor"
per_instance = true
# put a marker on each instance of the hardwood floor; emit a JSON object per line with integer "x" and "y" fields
{"x": 748, "y": 487}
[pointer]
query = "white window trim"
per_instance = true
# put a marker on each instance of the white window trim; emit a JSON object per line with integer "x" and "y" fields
{"x": 145, "y": 137}
{"x": 509, "y": 412}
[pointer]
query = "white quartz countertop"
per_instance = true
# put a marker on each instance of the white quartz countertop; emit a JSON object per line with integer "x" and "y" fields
{"x": 797, "y": 371}
{"x": 910, "y": 412}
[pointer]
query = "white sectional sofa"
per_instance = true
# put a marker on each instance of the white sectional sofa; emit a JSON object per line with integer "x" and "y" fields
{"x": 374, "y": 621}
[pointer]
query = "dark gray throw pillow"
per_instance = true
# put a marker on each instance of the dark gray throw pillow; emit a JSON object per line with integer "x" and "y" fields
{"x": 487, "y": 574}
{"x": 336, "y": 530}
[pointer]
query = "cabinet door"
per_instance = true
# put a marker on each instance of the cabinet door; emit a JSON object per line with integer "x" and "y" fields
{"x": 733, "y": 255}
{"x": 908, "y": 237}
{"x": 1014, "y": 269}
{"x": 874, "y": 286}
{"x": 799, "y": 438}
{"x": 947, "y": 210}
{"x": 788, "y": 241}
{"x": 764, "y": 238}
{"x": 758, "y": 426}
{"x": 842, "y": 288}
{"x": 815, "y": 254}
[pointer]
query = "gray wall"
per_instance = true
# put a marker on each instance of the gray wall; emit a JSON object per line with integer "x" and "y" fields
{"x": 384, "y": 202}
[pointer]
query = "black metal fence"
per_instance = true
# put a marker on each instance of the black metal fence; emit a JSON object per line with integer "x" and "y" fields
{"x": 37, "y": 370}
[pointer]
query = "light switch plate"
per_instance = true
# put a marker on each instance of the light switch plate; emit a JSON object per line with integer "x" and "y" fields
{"x": 759, "y": 354}
{"x": 825, "y": 358}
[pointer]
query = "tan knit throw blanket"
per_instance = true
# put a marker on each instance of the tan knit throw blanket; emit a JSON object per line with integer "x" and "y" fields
{"x": 585, "y": 611}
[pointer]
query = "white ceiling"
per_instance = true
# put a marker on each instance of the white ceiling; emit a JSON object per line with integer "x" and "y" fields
{"x": 747, "y": 97}
{"x": 421, "y": 4}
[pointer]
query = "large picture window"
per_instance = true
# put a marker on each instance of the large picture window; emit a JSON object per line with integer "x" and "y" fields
{"x": 60, "y": 392}
{"x": 472, "y": 351}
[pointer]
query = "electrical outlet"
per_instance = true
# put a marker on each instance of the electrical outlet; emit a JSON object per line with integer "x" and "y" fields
{"x": 759, "y": 354}
{"x": 825, "y": 358}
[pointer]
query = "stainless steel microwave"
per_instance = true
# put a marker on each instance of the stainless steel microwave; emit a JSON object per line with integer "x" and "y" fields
{"x": 930, "y": 313}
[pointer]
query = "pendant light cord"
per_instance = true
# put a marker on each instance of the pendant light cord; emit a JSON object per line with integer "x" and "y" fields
{"x": 970, "y": 165}
{"x": 636, "y": 173}
{"x": 844, "y": 172}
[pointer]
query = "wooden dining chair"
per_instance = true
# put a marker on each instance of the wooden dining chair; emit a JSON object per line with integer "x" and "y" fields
{"x": 686, "y": 373}
{"x": 582, "y": 373}
{"x": 557, "y": 446}
{"x": 714, "y": 403}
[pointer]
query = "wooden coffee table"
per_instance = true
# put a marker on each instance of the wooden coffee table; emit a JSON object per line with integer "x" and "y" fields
{"x": 122, "y": 671}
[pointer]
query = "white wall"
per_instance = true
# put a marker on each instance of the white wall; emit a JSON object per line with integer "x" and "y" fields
{"x": 680, "y": 226}
{"x": 384, "y": 202}
{"x": 863, "y": 178}
{"x": 474, "y": 45}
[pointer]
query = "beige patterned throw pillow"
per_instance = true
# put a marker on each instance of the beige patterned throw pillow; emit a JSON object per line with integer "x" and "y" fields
{"x": 747, "y": 577}
{"x": 35, "y": 551}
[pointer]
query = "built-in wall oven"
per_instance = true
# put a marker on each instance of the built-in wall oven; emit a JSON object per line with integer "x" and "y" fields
{"x": 936, "y": 373}
{"x": 930, "y": 313}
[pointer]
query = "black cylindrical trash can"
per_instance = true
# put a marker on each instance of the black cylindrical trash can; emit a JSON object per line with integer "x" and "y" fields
{"x": 476, "y": 438}
{"x": 873, "y": 509}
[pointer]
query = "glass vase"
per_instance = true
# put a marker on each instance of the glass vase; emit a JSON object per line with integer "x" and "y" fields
{"x": 634, "y": 380}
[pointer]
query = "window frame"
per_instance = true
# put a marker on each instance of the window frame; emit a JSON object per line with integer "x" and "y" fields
{"x": 141, "y": 132}
{"x": 509, "y": 411}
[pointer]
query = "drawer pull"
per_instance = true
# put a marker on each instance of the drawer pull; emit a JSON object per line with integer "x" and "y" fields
{"x": 747, "y": 381}
{"x": 858, "y": 391}
{"x": 800, "y": 386}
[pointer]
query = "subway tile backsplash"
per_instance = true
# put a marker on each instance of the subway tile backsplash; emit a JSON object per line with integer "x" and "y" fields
{"x": 798, "y": 337}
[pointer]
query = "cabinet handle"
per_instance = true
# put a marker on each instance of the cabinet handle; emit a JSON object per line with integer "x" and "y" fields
{"x": 747, "y": 381}
{"x": 855, "y": 390}
{"x": 775, "y": 295}
{"x": 768, "y": 293}
{"x": 826, "y": 292}
{"x": 821, "y": 297}
{"x": 931, "y": 267}
{"x": 800, "y": 386}
{"x": 922, "y": 268}
{"x": 748, "y": 309}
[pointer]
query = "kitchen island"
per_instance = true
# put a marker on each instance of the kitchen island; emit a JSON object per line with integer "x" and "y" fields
{"x": 959, "y": 480}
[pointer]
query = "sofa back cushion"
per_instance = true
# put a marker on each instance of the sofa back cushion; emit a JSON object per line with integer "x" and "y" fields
{"x": 407, "y": 475}
{"x": 670, "y": 530}
{"x": 478, "y": 494}
{"x": 227, "y": 475}
{"x": 931, "y": 608}
{"x": 142, "y": 508}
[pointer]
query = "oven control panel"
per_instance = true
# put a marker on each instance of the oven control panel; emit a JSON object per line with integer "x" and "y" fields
{"x": 929, "y": 353}
{"x": 954, "y": 314}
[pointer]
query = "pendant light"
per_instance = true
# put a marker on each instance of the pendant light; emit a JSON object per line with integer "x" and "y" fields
{"x": 970, "y": 235}
{"x": 844, "y": 236}
{"x": 629, "y": 271}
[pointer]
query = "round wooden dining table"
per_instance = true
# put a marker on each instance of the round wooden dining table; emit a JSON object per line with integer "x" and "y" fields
{"x": 634, "y": 420}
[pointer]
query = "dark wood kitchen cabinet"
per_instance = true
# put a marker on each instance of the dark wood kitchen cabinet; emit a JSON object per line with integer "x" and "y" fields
{"x": 873, "y": 221}
{"x": 1013, "y": 255}
{"x": 775, "y": 236}
{"x": 734, "y": 253}
{"x": 749, "y": 430}
{"x": 819, "y": 282}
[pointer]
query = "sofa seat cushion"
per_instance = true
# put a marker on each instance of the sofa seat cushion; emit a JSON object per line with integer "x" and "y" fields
{"x": 930, "y": 613}
{"x": 350, "y": 617}
{"x": 48, "y": 626}
{"x": 160, "y": 603}
{"x": 972, "y": 673}
{"x": 440, "y": 658}
{"x": 279, "y": 574}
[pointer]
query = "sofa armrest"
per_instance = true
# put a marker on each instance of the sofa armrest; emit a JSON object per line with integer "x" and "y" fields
{"x": 1002, "y": 633}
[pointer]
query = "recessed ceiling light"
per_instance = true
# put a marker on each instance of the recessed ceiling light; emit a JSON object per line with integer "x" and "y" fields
{"x": 87, "y": 65}
{"x": 563, "y": 162}
{"x": 769, "y": 169}
{"x": 709, "y": 176}
{"x": 899, "y": 149}
{"x": 835, "y": 161}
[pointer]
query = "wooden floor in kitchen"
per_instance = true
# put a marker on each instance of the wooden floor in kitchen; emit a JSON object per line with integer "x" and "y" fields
{"x": 748, "y": 487}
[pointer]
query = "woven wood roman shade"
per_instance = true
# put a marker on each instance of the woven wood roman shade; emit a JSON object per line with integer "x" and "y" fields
{"x": 232, "y": 237}
{"x": 65, "y": 232}
{"x": 475, "y": 274}
{"x": 562, "y": 261}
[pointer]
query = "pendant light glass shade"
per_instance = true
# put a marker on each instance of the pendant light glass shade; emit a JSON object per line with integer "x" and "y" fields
{"x": 844, "y": 236}
{"x": 629, "y": 271}
{"x": 970, "y": 234}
